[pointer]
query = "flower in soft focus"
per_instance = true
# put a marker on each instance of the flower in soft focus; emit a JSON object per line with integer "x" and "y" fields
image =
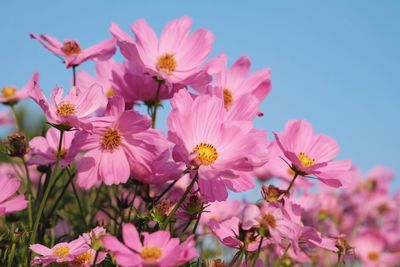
{"x": 234, "y": 83}
{"x": 157, "y": 249}
{"x": 311, "y": 154}
{"x": 225, "y": 153}
{"x": 175, "y": 57}
{"x": 6, "y": 118}
{"x": 370, "y": 248}
{"x": 221, "y": 211}
{"x": 71, "y": 51}
{"x": 73, "y": 110}
{"x": 44, "y": 149}
{"x": 9, "y": 201}
{"x": 10, "y": 95}
{"x": 118, "y": 146}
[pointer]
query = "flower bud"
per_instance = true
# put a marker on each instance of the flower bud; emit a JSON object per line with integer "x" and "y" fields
{"x": 16, "y": 145}
{"x": 271, "y": 193}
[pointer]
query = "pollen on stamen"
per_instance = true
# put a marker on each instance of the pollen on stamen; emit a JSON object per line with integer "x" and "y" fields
{"x": 206, "y": 153}
{"x": 228, "y": 98}
{"x": 166, "y": 63}
{"x": 71, "y": 48}
{"x": 111, "y": 139}
{"x": 61, "y": 251}
{"x": 8, "y": 92}
{"x": 85, "y": 257}
{"x": 268, "y": 221}
{"x": 305, "y": 160}
{"x": 151, "y": 254}
{"x": 110, "y": 92}
{"x": 66, "y": 109}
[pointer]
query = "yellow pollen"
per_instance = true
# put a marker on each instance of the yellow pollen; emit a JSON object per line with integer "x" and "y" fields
{"x": 150, "y": 254}
{"x": 71, "y": 48}
{"x": 66, "y": 109}
{"x": 268, "y": 221}
{"x": 110, "y": 92}
{"x": 305, "y": 160}
{"x": 228, "y": 98}
{"x": 85, "y": 257}
{"x": 374, "y": 256}
{"x": 61, "y": 251}
{"x": 206, "y": 153}
{"x": 111, "y": 140}
{"x": 166, "y": 63}
{"x": 8, "y": 92}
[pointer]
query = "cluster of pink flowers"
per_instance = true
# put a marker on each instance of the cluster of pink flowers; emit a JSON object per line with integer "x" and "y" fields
{"x": 161, "y": 199}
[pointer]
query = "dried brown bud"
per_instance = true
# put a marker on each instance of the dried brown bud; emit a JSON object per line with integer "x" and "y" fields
{"x": 218, "y": 263}
{"x": 163, "y": 207}
{"x": 16, "y": 145}
{"x": 271, "y": 193}
{"x": 194, "y": 204}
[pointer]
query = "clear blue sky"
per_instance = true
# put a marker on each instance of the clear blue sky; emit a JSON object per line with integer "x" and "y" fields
{"x": 335, "y": 63}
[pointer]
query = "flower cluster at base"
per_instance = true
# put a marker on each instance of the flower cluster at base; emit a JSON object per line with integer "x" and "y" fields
{"x": 99, "y": 185}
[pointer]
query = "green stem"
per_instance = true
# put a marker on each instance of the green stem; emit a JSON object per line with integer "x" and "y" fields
{"x": 12, "y": 252}
{"x": 17, "y": 121}
{"x": 94, "y": 205}
{"x": 257, "y": 253}
{"x": 74, "y": 75}
{"x": 95, "y": 258}
{"x": 46, "y": 193}
{"x": 155, "y": 106}
{"x": 198, "y": 219}
{"x": 70, "y": 179}
{"x": 181, "y": 200}
{"x": 291, "y": 183}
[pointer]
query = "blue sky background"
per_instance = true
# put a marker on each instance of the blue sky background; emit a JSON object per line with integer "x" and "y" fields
{"x": 336, "y": 63}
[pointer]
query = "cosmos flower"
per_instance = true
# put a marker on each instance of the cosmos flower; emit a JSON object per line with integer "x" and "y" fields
{"x": 44, "y": 149}
{"x": 72, "y": 110}
{"x": 175, "y": 57}
{"x": 224, "y": 152}
{"x": 311, "y": 154}
{"x": 71, "y": 51}
{"x": 9, "y": 201}
{"x": 157, "y": 249}
{"x": 118, "y": 146}
{"x": 10, "y": 95}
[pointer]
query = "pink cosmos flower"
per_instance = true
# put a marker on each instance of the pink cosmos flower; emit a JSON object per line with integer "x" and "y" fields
{"x": 370, "y": 247}
{"x": 9, "y": 202}
{"x": 234, "y": 83}
{"x": 118, "y": 146}
{"x": 311, "y": 154}
{"x": 176, "y": 57}
{"x": 10, "y": 95}
{"x": 72, "y": 52}
{"x": 224, "y": 152}
{"x": 44, "y": 149}
{"x": 157, "y": 249}
{"x": 73, "y": 110}
{"x": 221, "y": 211}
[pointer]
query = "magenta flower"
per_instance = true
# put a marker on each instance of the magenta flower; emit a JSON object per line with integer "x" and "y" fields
{"x": 311, "y": 154}
{"x": 10, "y": 95}
{"x": 117, "y": 147}
{"x": 234, "y": 83}
{"x": 157, "y": 249}
{"x": 224, "y": 152}
{"x": 44, "y": 149}
{"x": 72, "y": 52}
{"x": 73, "y": 110}
{"x": 9, "y": 201}
{"x": 176, "y": 57}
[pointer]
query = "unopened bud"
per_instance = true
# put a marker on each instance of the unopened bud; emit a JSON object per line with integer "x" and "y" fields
{"x": 16, "y": 145}
{"x": 194, "y": 205}
{"x": 271, "y": 193}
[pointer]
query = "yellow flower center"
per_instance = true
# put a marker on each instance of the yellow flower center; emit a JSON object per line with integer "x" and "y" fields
{"x": 110, "y": 92}
{"x": 66, "y": 109}
{"x": 150, "y": 254}
{"x": 166, "y": 63}
{"x": 373, "y": 256}
{"x": 111, "y": 139}
{"x": 228, "y": 98}
{"x": 71, "y": 48}
{"x": 206, "y": 153}
{"x": 61, "y": 251}
{"x": 8, "y": 92}
{"x": 305, "y": 160}
{"x": 268, "y": 221}
{"x": 85, "y": 257}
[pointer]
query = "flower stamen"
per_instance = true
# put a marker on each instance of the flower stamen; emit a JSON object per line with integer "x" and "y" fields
{"x": 71, "y": 48}
{"x": 206, "y": 153}
{"x": 111, "y": 140}
{"x": 66, "y": 109}
{"x": 166, "y": 63}
{"x": 151, "y": 254}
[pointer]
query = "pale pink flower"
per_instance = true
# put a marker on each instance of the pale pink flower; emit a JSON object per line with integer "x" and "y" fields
{"x": 311, "y": 154}
{"x": 176, "y": 57}
{"x": 6, "y": 118}
{"x": 73, "y": 110}
{"x": 10, "y": 95}
{"x": 44, "y": 149}
{"x": 235, "y": 83}
{"x": 9, "y": 201}
{"x": 71, "y": 51}
{"x": 157, "y": 249}
{"x": 224, "y": 152}
{"x": 118, "y": 146}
